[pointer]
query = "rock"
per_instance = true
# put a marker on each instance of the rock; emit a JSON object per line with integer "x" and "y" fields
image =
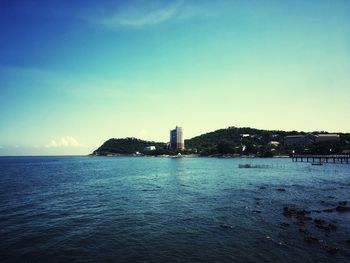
{"x": 306, "y": 217}
{"x": 309, "y": 238}
{"x": 285, "y": 224}
{"x": 328, "y": 210}
{"x": 300, "y": 214}
{"x": 304, "y": 230}
{"x": 330, "y": 249}
{"x": 301, "y": 223}
{"x": 342, "y": 208}
{"x": 332, "y": 226}
{"x": 281, "y": 189}
{"x": 226, "y": 226}
{"x": 319, "y": 223}
{"x": 323, "y": 227}
{"x": 286, "y": 211}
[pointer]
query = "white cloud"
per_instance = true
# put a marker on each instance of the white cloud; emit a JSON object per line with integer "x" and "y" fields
{"x": 138, "y": 20}
{"x": 145, "y": 15}
{"x": 68, "y": 141}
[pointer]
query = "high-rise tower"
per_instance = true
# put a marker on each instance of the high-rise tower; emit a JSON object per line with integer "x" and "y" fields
{"x": 177, "y": 139}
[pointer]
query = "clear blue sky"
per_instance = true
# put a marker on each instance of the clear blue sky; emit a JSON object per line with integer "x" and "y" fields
{"x": 75, "y": 73}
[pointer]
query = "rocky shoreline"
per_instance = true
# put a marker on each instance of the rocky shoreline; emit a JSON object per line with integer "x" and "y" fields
{"x": 314, "y": 225}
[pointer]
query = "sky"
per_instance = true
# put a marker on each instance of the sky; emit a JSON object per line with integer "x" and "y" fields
{"x": 76, "y": 73}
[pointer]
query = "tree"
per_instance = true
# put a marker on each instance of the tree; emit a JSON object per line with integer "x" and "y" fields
{"x": 226, "y": 147}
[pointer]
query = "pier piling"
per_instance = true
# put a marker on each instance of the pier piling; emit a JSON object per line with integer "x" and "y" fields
{"x": 341, "y": 159}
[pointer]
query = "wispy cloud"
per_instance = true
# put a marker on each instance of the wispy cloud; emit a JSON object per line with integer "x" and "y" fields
{"x": 142, "y": 19}
{"x": 146, "y": 15}
{"x": 68, "y": 141}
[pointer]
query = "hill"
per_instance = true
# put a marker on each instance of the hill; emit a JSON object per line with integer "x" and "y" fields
{"x": 125, "y": 146}
{"x": 233, "y": 140}
{"x": 264, "y": 143}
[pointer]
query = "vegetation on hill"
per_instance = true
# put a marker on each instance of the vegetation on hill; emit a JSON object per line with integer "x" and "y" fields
{"x": 263, "y": 143}
{"x": 125, "y": 146}
{"x": 230, "y": 141}
{"x": 242, "y": 141}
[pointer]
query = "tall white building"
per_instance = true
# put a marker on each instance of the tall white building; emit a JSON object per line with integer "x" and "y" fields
{"x": 177, "y": 139}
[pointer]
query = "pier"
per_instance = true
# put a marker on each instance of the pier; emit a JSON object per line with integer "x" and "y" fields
{"x": 341, "y": 159}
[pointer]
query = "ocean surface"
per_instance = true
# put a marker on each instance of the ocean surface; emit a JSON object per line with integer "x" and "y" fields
{"x": 149, "y": 209}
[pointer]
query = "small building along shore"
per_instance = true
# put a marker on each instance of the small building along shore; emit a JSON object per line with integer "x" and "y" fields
{"x": 149, "y": 148}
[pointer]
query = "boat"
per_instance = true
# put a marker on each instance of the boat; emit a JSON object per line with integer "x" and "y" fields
{"x": 177, "y": 156}
{"x": 316, "y": 163}
{"x": 253, "y": 165}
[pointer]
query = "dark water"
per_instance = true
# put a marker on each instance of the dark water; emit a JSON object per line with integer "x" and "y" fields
{"x": 105, "y": 209}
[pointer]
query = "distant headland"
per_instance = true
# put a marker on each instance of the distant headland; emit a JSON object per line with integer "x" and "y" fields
{"x": 232, "y": 142}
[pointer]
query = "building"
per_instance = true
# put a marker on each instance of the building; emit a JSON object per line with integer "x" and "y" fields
{"x": 294, "y": 140}
{"x": 149, "y": 148}
{"x": 177, "y": 139}
{"x": 299, "y": 140}
{"x": 307, "y": 139}
{"x": 274, "y": 143}
{"x": 327, "y": 137}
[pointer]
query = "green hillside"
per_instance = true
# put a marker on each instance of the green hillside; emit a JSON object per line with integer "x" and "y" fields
{"x": 264, "y": 143}
{"x": 233, "y": 140}
{"x": 239, "y": 141}
{"x": 125, "y": 146}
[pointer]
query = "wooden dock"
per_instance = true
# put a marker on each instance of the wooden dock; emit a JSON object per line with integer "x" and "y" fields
{"x": 341, "y": 159}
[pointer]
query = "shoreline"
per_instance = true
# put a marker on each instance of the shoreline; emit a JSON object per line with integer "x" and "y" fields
{"x": 186, "y": 156}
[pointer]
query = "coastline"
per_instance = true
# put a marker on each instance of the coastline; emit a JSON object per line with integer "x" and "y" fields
{"x": 185, "y": 156}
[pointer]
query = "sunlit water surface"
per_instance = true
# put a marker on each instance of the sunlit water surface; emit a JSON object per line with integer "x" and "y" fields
{"x": 82, "y": 209}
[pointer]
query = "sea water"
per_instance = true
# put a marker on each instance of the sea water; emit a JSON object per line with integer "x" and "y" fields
{"x": 151, "y": 209}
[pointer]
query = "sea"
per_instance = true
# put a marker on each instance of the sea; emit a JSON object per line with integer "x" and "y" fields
{"x": 153, "y": 209}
